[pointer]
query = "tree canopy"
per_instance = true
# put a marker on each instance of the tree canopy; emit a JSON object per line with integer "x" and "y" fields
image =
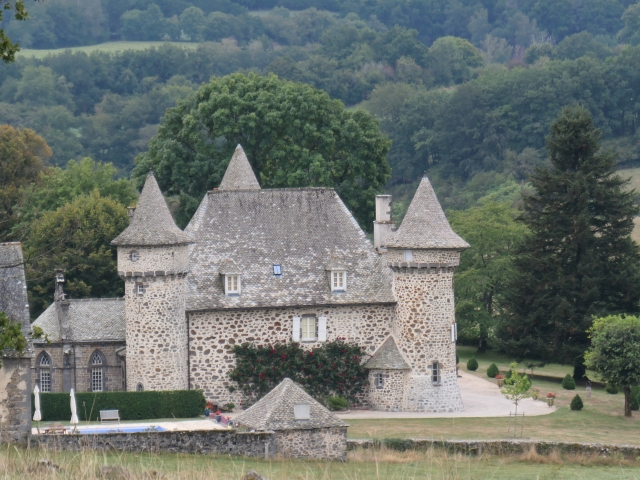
{"x": 294, "y": 136}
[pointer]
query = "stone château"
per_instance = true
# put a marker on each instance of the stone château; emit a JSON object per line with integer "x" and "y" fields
{"x": 264, "y": 266}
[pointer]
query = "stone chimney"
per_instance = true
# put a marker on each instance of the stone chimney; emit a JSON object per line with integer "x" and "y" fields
{"x": 383, "y": 225}
{"x": 62, "y": 306}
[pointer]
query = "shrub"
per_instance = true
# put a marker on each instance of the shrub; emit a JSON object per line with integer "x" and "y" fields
{"x": 509, "y": 373}
{"x": 132, "y": 405}
{"x": 336, "y": 402}
{"x": 576, "y": 403}
{"x": 492, "y": 371}
{"x": 398, "y": 444}
{"x": 568, "y": 383}
{"x": 472, "y": 364}
{"x": 635, "y": 398}
{"x": 611, "y": 388}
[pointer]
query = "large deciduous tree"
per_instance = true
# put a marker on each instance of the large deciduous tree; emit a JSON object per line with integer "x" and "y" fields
{"x": 8, "y": 49}
{"x": 579, "y": 260}
{"x": 294, "y": 136}
{"x": 615, "y": 352}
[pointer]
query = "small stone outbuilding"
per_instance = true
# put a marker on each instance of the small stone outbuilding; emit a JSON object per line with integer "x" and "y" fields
{"x": 388, "y": 371}
{"x": 303, "y": 427}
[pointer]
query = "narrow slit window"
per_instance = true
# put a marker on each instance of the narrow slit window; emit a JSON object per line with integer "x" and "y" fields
{"x": 277, "y": 270}
{"x": 379, "y": 380}
{"x": 435, "y": 373}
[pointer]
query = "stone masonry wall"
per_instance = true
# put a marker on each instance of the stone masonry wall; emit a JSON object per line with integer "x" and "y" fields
{"x": 152, "y": 259}
{"x": 212, "y": 335}
{"x": 451, "y": 257}
{"x": 424, "y": 314}
{"x": 323, "y": 443}
{"x": 390, "y": 396}
{"x": 113, "y": 369}
{"x": 15, "y": 400}
{"x": 156, "y": 333}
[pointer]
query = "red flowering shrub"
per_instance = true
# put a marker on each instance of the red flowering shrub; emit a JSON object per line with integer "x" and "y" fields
{"x": 335, "y": 368}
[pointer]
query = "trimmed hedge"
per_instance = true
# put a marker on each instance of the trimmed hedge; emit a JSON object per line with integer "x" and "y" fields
{"x": 492, "y": 371}
{"x": 576, "y": 403}
{"x": 472, "y": 364}
{"x": 132, "y": 405}
{"x": 568, "y": 383}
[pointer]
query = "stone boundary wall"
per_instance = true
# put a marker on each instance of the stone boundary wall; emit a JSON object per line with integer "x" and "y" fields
{"x": 506, "y": 447}
{"x": 224, "y": 442}
{"x": 15, "y": 399}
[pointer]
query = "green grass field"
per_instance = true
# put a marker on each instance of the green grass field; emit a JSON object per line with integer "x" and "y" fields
{"x": 111, "y": 47}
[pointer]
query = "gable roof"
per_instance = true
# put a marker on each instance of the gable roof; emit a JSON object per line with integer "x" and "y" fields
{"x": 239, "y": 174}
{"x": 387, "y": 357}
{"x": 13, "y": 285}
{"x": 425, "y": 224}
{"x": 275, "y": 411}
{"x": 152, "y": 223}
{"x": 90, "y": 320}
{"x": 302, "y": 229}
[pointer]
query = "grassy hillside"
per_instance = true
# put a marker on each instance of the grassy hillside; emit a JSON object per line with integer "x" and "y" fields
{"x": 104, "y": 47}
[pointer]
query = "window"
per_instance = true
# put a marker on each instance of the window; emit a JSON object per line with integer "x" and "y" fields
{"x": 232, "y": 285}
{"x": 45, "y": 360}
{"x": 277, "y": 270}
{"x": 45, "y": 372}
{"x": 308, "y": 329}
{"x": 408, "y": 255}
{"x": 134, "y": 256}
{"x": 379, "y": 380}
{"x": 302, "y": 411}
{"x": 96, "y": 373}
{"x": 435, "y": 373}
{"x": 338, "y": 281}
{"x": 139, "y": 388}
{"x": 140, "y": 289}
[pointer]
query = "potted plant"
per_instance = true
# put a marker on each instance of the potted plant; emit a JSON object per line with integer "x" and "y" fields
{"x": 550, "y": 398}
{"x": 535, "y": 394}
{"x": 228, "y": 407}
{"x": 208, "y": 409}
{"x": 500, "y": 379}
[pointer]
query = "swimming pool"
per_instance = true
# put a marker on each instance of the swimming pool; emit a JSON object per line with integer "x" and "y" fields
{"x": 120, "y": 429}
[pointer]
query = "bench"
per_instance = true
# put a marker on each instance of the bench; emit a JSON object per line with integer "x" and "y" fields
{"x": 109, "y": 416}
{"x": 55, "y": 428}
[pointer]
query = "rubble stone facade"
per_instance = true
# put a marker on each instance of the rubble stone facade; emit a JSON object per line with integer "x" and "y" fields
{"x": 15, "y": 399}
{"x": 320, "y": 443}
{"x": 386, "y": 390}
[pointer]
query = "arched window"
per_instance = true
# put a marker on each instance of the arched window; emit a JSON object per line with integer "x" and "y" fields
{"x": 97, "y": 366}
{"x": 44, "y": 371}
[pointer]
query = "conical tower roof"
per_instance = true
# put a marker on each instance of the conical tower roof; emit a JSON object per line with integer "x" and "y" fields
{"x": 387, "y": 357}
{"x": 152, "y": 223}
{"x": 425, "y": 225}
{"x": 275, "y": 411}
{"x": 239, "y": 174}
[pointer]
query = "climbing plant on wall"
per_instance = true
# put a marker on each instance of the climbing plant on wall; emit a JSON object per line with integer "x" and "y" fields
{"x": 335, "y": 368}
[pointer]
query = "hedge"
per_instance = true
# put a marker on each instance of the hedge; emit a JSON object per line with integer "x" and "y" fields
{"x": 132, "y": 405}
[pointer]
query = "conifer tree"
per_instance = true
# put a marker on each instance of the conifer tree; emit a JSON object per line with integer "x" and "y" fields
{"x": 578, "y": 261}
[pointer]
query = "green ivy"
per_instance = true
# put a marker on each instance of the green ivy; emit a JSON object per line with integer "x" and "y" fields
{"x": 335, "y": 368}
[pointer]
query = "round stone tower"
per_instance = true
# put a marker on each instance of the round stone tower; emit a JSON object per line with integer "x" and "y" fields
{"x": 153, "y": 261}
{"x": 423, "y": 254}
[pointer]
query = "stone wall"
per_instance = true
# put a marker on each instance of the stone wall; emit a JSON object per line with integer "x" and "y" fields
{"x": 424, "y": 314}
{"x": 63, "y": 377}
{"x": 152, "y": 259}
{"x": 15, "y": 399}
{"x": 212, "y": 335}
{"x": 156, "y": 333}
{"x": 323, "y": 443}
{"x": 390, "y": 396}
{"x": 451, "y": 257}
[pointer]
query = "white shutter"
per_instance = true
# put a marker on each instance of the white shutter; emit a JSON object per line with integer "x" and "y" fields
{"x": 455, "y": 328}
{"x": 322, "y": 329}
{"x": 296, "y": 329}
{"x": 453, "y": 332}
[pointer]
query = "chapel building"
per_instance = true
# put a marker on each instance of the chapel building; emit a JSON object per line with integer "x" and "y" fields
{"x": 264, "y": 266}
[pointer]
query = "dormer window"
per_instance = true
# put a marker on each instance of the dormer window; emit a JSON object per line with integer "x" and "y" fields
{"x": 338, "y": 280}
{"x": 232, "y": 284}
{"x": 277, "y": 270}
{"x": 302, "y": 411}
{"x": 134, "y": 256}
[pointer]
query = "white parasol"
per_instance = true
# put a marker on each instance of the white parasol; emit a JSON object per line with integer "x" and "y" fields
{"x": 74, "y": 410}
{"x": 37, "y": 415}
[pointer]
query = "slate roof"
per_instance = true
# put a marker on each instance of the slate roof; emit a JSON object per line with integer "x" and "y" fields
{"x": 387, "y": 357}
{"x": 239, "y": 174}
{"x": 275, "y": 411}
{"x": 425, "y": 225}
{"x": 152, "y": 223}
{"x": 13, "y": 286}
{"x": 90, "y": 320}
{"x": 302, "y": 229}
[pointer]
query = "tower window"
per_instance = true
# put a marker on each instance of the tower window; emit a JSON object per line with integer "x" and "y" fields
{"x": 232, "y": 285}
{"x": 140, "y": 289}
{"x": 338, "y": 281}
{"x": 379, "y": 380}
{"x": 435, "y": 373}
{"x": 134, "y": 256}
{"x": 277, "y": 270}
{"x": 308, "y": 329}
{"x": 408, "y": 255}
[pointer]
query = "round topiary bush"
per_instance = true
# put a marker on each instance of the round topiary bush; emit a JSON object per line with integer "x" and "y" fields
{"x": 492, "y": 371}
{"x": 568, "y": 383}
{"x": 472, "y": 364}
{"x": 576, "y": 403}
{"x": 611, "y": 388}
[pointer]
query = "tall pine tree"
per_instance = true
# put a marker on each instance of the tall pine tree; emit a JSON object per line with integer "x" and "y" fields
{"x": 578, "y": 260}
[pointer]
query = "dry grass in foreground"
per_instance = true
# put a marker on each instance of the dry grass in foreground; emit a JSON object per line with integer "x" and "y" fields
{"x": 16, "y": 463}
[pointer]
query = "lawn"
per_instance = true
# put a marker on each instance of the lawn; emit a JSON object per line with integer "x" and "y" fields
{"x": 110, "y": 47}
{"x": 19, "y": 464}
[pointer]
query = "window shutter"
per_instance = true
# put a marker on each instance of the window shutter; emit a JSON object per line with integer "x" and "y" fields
{"x": 455, "y": 329}
{"x": 296, "y": 329}
{"x": 322, "y": 329}
{"x": 453, "y": 332}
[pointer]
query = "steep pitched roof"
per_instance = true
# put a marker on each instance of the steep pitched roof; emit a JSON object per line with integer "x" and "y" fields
{"x": 300, "y": 229}
{"x": 152, "y": 223}
{"x": 275, "y": 411}
{"x": 239, "y": 174}
{"x": 90, "y": 320}
{"x": 13, "y": 286}
{"x": 387, "y": 357}
{"x": 425, "y": 225}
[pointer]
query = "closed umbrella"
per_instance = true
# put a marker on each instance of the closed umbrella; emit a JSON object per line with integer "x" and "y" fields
{"x": 37, "y": 415}
{"x": 74, "y": 411}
